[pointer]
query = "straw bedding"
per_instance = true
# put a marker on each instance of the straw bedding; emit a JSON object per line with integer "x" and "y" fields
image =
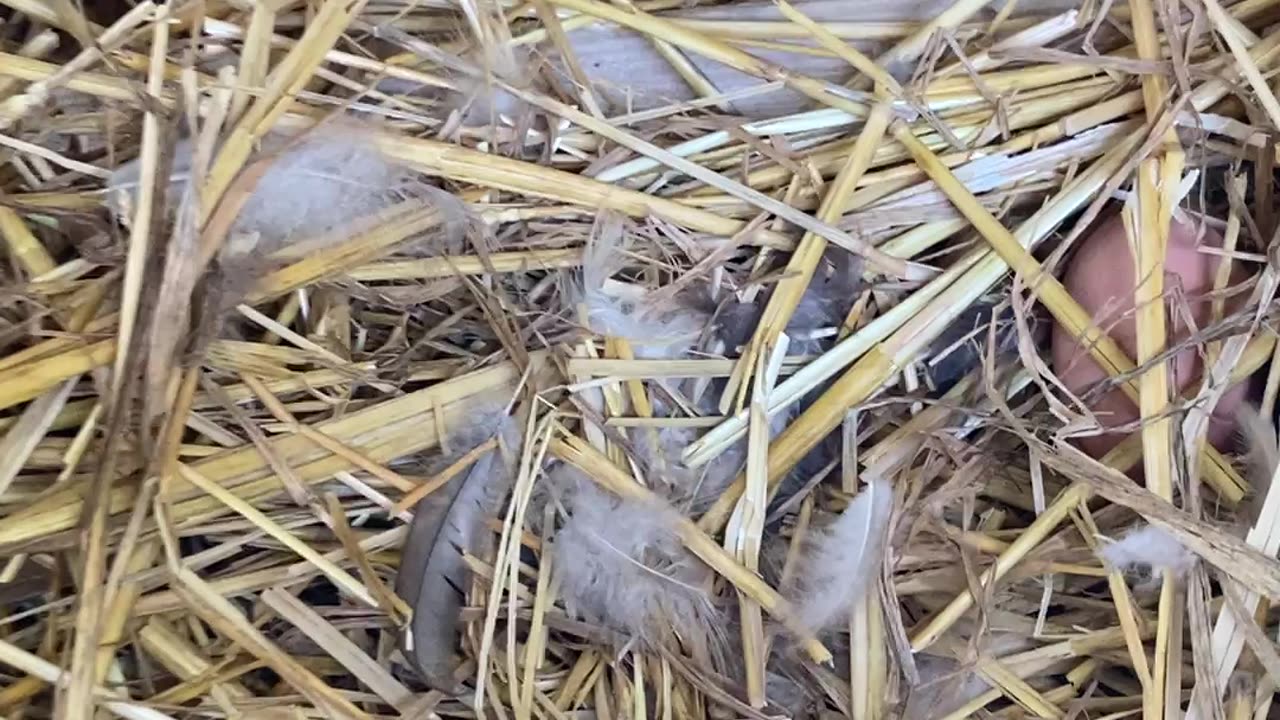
{"x": 584, "y": 359}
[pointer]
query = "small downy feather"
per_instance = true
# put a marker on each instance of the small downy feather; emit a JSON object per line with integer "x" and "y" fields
{"x": 841, "y": 560}
{"x": 476, "y": 75}
{"x": 312, "y": 186}
{"x": 1148, "y": 550}
{"x": 481, "y": 99}
{"x": 667, "y": 474}
{"x": 654, "y": 331}
{"x": 433, "y": 575}
{"x": 621, "y": 564}
{"x": 1258, "y": 438}
{"x": 617, "y": 309}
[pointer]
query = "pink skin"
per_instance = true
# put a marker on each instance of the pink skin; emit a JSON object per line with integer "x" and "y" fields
{"x": 1100, "y": 277}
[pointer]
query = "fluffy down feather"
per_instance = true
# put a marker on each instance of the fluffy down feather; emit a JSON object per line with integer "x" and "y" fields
{"x": 313, "y": 186}
{"x": 1258, "y": 436}
{"x": 622, "y": 565}
{"x": 476, "y": 75}
{"x": 685, "y": 487}
{"x": 654, "y": 331}
{"x": 841, "y": 560}
{"x": 660, "y": 452}
{"x": 481, "y": 100}
{"x": 1148, "y": 549}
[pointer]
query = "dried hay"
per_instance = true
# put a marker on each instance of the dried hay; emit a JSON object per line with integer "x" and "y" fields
{"x": 668, "y": 359}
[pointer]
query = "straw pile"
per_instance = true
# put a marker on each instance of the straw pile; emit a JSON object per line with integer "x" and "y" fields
{"x": 573, "y": 358}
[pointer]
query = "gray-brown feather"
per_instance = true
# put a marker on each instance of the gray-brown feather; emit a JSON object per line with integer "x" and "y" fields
{"x": 447, "y": 525}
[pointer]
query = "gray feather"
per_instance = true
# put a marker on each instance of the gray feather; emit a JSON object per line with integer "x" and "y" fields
{"x": 1258, "y": 438}
{"x": 841, "y": 562}
{"x": 433, "y": 576}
